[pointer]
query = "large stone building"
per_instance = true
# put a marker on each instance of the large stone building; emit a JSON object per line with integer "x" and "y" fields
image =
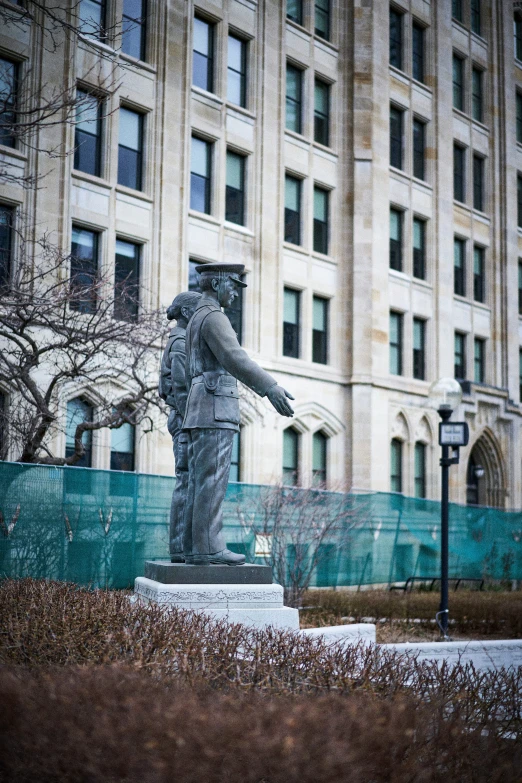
{"x": 364, "y": 161}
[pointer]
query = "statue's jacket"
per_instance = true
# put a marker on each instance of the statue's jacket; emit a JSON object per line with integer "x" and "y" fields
{"x": 214, "y": 361}
{"x": 172, "y": 387}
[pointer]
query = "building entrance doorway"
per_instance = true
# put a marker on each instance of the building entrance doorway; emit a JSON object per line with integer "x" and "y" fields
{"x": 485, "y": 476}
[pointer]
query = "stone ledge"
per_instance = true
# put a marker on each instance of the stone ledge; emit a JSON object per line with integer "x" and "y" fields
{"x": 343, "y": 634}
{"x": 484, "y": 655}
{"x": 205, "y": 596}
{"x": 179, "y": 573}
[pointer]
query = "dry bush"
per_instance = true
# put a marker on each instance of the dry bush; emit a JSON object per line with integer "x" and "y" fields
{"x": 471, "y": 610}
{"x": 115, "y": 724}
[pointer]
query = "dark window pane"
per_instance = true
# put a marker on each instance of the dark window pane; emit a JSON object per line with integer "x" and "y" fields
{"x": 129, "y": 168}
{"x": 396, "y": 466}
{"x": 420, "y": 470}
{"x": 294, "y": 10}
{"x": 126, "y": 280}
{"x": 320, "y": 220}
{"x": 477, "y": 111}
{"x": 396, "y": 121}
{"x": 395, "y": 38}
{"x": 8, "y": 87}
{"x": 122, "y": 447}
{"x": 419, "y": 248}
{"x": 419, "y": 349}
{"x": 518, "y": 35}
{"x": 319, "y": 455}
{"x": 292, "y": 210}
{"x": 130, "y": 149}
{"x": 519, "y": 117}
{"x": 459, "y": 173}
{"x": 237, "y": 71}
{"x": 479, "y": 360}
{"x": 322, "y": 18}
{"x": 87, "y": 139}
{"x": 460, "y": 356}
{"x": 520, "y": 288}
{"x": 418, "y": 52}
{"x": 200, "y": 168}
{"x": 396, "y": 240}
{"x": 478, "y": 182}
{"x": 320, "y": 330}
{"x": 519, "y": 201}
{"x": 84, "y": 270}
{"x": 293, "y": 98}
{"x": 92, "y": 18}
{"x": 476, "y": 21}
{"x": 321, "y": 112}
{"x": 235, "y": 189}
{"x": 458, "y": 82}
{"x": 419, "y": 143}
{"x": 456, "y": 10}
{"x": 290, "y": 456}
{"x": 478, "y": 274}
{"x": 6, "y": 243}
{"x": 459, "y": 263}
{"x": 79, "y": 411}
{"x": 235, "y": 463}
{"x": 395, "y": 343}
{"x": 291, "y": 318}
{"x": 133, "y": 28}
{"x": 202, "y": 55}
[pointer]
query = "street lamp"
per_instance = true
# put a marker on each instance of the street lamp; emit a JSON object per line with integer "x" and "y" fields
{"x": 445, "y": 395}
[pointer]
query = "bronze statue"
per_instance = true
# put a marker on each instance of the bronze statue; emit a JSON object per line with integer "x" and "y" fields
{"x": 214, "y": 361}
{"x": 173, "y": 390}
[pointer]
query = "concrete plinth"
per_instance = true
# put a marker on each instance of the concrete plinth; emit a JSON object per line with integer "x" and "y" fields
{"x": 258, "y": 605}
{"x": 179, "y": 573}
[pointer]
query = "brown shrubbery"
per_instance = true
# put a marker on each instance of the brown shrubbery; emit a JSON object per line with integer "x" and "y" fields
{"x": 96, "y": 689}
{"x": 485, "y": 612}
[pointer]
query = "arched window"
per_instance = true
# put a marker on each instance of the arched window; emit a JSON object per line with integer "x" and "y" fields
{"x": 78, "y": 411}
{"x": 123, "y": 447}
{"x": 396, "y": 465}
{"x": 290, "y": 457}
{"x": 420, "y": 470}
{"x": 319, "y": 457}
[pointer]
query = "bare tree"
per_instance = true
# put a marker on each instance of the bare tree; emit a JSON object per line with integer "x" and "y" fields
{"x": 81, "y": 331}
{"x": 296, "y": 530}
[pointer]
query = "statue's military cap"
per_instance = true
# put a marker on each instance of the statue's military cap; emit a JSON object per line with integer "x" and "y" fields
{"x": 234, "y": 271}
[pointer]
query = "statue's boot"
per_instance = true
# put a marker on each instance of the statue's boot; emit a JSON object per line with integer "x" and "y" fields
{"x": 177, "y": 557}
{"x": 225, "y": 557}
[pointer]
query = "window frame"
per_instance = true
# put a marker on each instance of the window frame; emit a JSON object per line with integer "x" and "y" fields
{"x": 328, "y": 13}
{"x": 243, "y": 74}
{"x": 320, "y": 473}
{"x": 459, "y": 87}
{"x": 397, "y": 348}
{"x": 6, "y": 254}
{"x": 419, "y": 263}
{"x": 396, "y": 245}
{"x": 419, "y": 154}
{"x": 519, "y": 116}
{"x": 98, "y": 135}
{"x": 479, "y": 362}
{"x": 479, "y": 278}
{"x": 10, "y": 107}
{"x": 418, "y": 71}
{"x": 101, "y": 34}
{"x": 517, "y": 35}
{"x": 296, "y": 102}
{"x": 456, "y": 10}
{"x": 127, "y": 313}
{"x": 459, "y": 270}
{"x": 231, "y": 191}
{"x": 396, "y": 44}
{"x": 519, "y": 200}
{"x": 477, "y": 98}
{"x": 320, "y": 338}
{"x": 88, "y": 434}
{"x": 321, "y": 228}
{"x": 479, "y": 182}
{"x": 462, "y": 338}
{"x": 459, "y": 172}
{"x": 419, "y": 354}
{"x": 211, "y": 43}
{"x": 520, "y": 286}
{"x": 86, "y": 306}
{"x": 419, "y": 481}
{"x": 138, "y": 153}
{"x": 207, "y": 179}
{"x": 289, "y": 212}
{"x": 475, "y": 17}
{"x": 396, "y": 445}
{"x": 397, "y": 136}
{"x": 142, "y": 25}
{"x": 295, "y": 336}
{"x": 321, "y": 116}
{"x": 297, "y": 20}
{"x": 294, "y": 469}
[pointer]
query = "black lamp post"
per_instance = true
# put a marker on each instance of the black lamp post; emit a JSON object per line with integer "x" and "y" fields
{"x": 445, "y": 395}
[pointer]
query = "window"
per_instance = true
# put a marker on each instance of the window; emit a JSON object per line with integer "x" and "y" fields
{"x": 396, "y": 343}
{"x": 417, "y": 32}
{"x": 520, "y": 375}
{"x": 396, "y": 465}
{"x": 319, "y": 447}
{"x": 79, "y": 411}
{"x": 518, "y": 35}
{"x": 235, "y": 314}
{"x": 193, "y": 283}
{"x": 130, "y": 149}
{"x": 237, "y": 71}
{"x": 87, "y": 136}
{"x": 8, "y": 85}
{"x": 84, "y": 270}
{"x": 291, "y": 318}
{"x": 203, "y": 55}
{"x": 320, "y": 330}
{"x": 294, "y": 10}
{"x": 235, "y": 462}
{"x": 396, "y": 38}
{"x": 419, "y": 349}
{"x": 459, "y": 173}
{"x": 479, "y": 287}
{"x": 478, "y": 182}
{"x": 235, "y": 189}
{"x": 420, "y": 470}
{"x": 520, "y": 287}
{"x": 294, "y": 91}
{"x": 458, "y": 82}
{"x": 478, "y": 360}
{"x": 200, "y": 165}
{"x": 477, "y": 102}
{"x": 419, "y": 145}
{"x": 126, "y": 280}
{"x": 122, "y": 447}
{"x": 519, "y": 117}
{"x": 476, "y": 26}
{"x": 322, "y": 18}
{"x": 519, "y": 200}
{"x": 92, "y": 18}
{"x": 456, "y": 10}
{"x": 396, "y": 239}
{"x": 460, "y": 355}
{"x": 290, "y": 456}
{"x": 396, "y": 124}
{"x": 6, "y": 243}
{"x": 133, "y": 28}
{"x": 320, "y": 220}
{"x": 322, "y": 112}
{"x": 419, "y": 248}
{"x": 292, "y": 210}
{"x": 459, "y": 267}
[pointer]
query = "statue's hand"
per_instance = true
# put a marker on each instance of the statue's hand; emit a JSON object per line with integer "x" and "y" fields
{"x": 278, "y": 397}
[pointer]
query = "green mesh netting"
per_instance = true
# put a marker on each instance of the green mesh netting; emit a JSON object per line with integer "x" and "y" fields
{"x": 97, "y": 527}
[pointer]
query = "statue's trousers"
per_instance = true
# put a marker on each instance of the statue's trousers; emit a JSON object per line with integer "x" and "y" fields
{"x": 179, "y": 495}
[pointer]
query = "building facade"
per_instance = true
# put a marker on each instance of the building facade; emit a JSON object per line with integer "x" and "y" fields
{"x": 362, "y": 160}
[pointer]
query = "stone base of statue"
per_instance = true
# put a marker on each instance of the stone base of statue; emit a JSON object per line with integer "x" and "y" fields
{"x": 239, "y": 594}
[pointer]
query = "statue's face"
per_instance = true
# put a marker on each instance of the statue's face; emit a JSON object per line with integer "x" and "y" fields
{"x": 226, "y": 289}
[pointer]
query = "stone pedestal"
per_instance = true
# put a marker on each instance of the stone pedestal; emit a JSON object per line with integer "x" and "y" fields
{"x": 239, "y": 594}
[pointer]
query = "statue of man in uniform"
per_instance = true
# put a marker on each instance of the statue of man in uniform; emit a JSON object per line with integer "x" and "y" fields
{"x": 214, "y": 361}
{"x": 172, "y": 389}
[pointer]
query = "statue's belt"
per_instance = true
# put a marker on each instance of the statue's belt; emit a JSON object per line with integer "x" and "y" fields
{"x": 214, "y": 381}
